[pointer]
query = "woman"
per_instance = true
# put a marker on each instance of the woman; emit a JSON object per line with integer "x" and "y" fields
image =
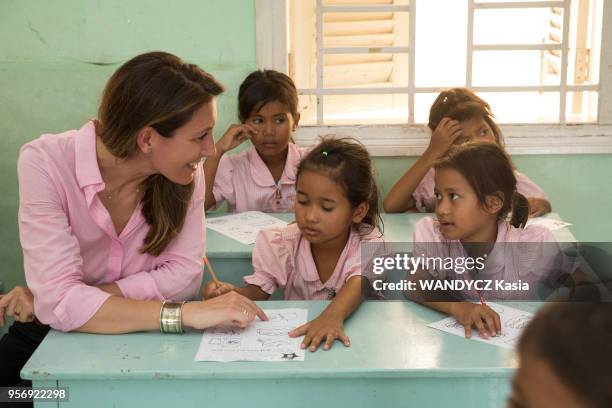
{"x": 111, "y": 216}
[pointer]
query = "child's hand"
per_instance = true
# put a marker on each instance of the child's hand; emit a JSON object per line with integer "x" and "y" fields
{"x": 444, "y": 136}
{"x": 19, "y": 303}
{"x": 538, "y": 206}
{"x": 324, "y": 328}
{"x": 485, "y": 319}
{"x": 216, "y": 288}
{"x": 234, "y": 136}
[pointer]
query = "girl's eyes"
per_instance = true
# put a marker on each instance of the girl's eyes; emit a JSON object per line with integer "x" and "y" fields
{"x": 259, "y": 121}
{"x": 327, "y": 209}
{"x": 453, "y": 196}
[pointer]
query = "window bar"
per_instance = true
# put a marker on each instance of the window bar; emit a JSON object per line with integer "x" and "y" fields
{"x": 470, "y": 44}
{"x": 411, "y": 60}
{"x": 564, "y": 61}
{"x": 363, "y": 9}
{"x": 522, "y": 4}
{"x": 319, "y": 62}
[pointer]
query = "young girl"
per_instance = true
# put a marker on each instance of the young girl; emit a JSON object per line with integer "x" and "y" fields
{"x": 319, "y": 257}
{"x": 565, "y": 357}
{"x": 263, "y": 177}
{"x": 475, "y": 189}
{"x": 456, "y": 116}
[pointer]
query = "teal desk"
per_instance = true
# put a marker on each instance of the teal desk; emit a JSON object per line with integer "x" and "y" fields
{"x": 394, "y": 360}
{"x": 232, "y": 260}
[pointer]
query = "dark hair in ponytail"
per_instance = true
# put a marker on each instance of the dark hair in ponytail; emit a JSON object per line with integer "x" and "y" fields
{"x": 520, "y": 210}
{"x": 348, "y": 163}
{"x": 159, "y": 90}
{"x": 489, "y": 171}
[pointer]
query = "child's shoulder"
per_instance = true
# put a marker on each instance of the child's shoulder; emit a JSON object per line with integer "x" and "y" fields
{"x": 280, "y": 236}
{"x": 530, "y": 233}
{"x": 427, "y": 229}
{"x": 367, "y": 233}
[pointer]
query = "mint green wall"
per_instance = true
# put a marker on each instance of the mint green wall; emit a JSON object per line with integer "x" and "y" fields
{"x": 55, "y": 57}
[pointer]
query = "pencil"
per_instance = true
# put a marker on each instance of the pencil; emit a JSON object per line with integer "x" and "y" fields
{"x": 210, "y": 269}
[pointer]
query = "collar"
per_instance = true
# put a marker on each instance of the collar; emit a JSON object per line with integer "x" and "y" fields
{"x": 309, "y": 271}
{"x": 261, "y": 173}
{"x": 86, "y": 166}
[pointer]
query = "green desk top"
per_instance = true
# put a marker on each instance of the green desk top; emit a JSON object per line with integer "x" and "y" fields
{"x": 389, "y": 340}
{"x": 397, "y": 228}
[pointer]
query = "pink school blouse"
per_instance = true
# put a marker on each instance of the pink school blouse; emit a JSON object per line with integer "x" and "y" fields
{"x": 426, "y": 202}
{"x": 245, "y": 182}
{"x": 530, "y": 255}
{"x": 70, "y": 244}
{"x": 282, "y": 259}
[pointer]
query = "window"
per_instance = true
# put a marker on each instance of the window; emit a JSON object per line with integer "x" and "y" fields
{"x": 370, "y": 67}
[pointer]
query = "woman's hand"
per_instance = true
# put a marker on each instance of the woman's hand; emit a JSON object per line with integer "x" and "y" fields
{"x": 538, "y": 206}
{"x": 19, "y": 303}
{"x": 230, "y": 309}
{"x": 485, "y": 319}
{"x": 443, "y": 137}
{"x": 213, "y": 289}
{"x": 234, "y": 136}
{"x": 325, "y": 328}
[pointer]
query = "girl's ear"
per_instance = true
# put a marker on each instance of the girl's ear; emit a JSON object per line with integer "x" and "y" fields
{"x": 296, "y": 120}
{"x": 145, "y": 139}
{"x": 360, "y": 212}
{"x": 493, "y": 203}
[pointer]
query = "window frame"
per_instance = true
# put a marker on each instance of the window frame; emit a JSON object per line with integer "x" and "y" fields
{"x": 272, "y": 48}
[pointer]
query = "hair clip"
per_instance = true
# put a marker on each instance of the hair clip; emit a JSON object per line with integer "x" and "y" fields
{"x": 324, "y": 153}
{"x": 445, "y": 99}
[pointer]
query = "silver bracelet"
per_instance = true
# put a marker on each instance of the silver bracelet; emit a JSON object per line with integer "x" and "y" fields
{"x": 170, "y": 317}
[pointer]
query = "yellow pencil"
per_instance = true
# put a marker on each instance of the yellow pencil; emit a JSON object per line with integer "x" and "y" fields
{"x": 211, "y": 270}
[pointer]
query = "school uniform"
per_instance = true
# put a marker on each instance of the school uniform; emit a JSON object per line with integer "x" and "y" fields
{"x": 282, "y": 258}
{"x": 245, "y": 182}
{"x": 528, "y": 255}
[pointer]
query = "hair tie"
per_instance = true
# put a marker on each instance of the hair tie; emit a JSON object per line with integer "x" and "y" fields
{"x": 324, "y": 153}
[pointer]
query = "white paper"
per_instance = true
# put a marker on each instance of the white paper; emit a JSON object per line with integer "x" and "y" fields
{"x": 549, "y": 223}
{"x": 261, "y": 341}
{"x": 243, "y": 227}
{"x": 513, "y": 322}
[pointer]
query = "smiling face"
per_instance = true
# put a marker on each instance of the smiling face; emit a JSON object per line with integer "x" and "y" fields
{"x": 475, "y": 129}
{"x": 459, "y": 211}
{"x": 177, "y": 157}
{"x": 322, "y": 211}
{"x": 275, "y": 125}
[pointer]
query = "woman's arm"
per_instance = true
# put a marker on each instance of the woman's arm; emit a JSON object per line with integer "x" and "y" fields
{"x": 121, "y": 315}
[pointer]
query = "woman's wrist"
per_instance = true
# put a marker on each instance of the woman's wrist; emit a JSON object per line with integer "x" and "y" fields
{"x": 187, "y": 314}
{"x": 171, "y": 317}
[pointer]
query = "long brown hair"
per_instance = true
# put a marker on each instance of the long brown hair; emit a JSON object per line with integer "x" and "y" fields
{"x": 159, "y": 90}
{"x": 489, "y": 171}
{"x": 461, "y": 104}
{"x": 348, "y": 163}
